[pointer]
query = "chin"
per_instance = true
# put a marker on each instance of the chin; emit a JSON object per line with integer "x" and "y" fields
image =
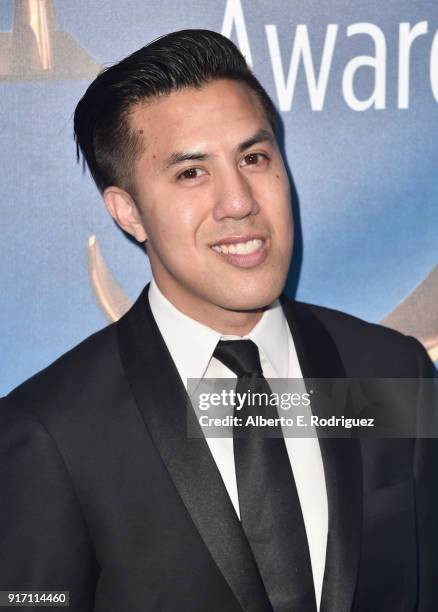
{"x": 252, "y": 298}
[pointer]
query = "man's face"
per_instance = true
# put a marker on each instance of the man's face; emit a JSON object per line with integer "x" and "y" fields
{"x": 214, "y": 200}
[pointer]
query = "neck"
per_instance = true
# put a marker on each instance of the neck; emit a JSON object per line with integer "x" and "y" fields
{"x": 225, "y": 321}
{"x": 230, "y": 322}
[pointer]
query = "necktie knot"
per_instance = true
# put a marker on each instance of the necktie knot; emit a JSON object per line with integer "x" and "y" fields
{"x": 240, "y": 356}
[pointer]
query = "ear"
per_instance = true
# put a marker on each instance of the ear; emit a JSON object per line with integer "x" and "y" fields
{"x": 123, "y": 210}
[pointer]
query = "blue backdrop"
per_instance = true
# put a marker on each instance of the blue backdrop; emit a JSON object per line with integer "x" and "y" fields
{"x": 357, "y": 84}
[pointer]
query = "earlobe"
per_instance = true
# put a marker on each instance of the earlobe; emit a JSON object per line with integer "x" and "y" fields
{"x": 123, "y": 210}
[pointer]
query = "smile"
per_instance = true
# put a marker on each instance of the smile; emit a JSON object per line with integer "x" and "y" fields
{"x": 242, "y": 253}
{"x": 240, "y": 248}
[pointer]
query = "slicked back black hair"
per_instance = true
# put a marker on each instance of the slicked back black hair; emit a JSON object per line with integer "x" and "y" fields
{"x": 188, "y": 58}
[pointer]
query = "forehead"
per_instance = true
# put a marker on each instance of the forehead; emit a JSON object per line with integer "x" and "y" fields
{"x": 221, "y": 112}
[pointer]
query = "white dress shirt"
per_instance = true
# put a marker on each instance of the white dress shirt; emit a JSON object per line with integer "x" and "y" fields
{"x": 279, "y": 360}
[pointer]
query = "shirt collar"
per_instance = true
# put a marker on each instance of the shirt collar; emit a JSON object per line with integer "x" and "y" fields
{"x": 180, "y": 331}
{"x": 271, "y": 334}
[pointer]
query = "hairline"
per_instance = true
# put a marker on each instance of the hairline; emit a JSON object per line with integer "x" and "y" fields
{"x": 126, "y": 119}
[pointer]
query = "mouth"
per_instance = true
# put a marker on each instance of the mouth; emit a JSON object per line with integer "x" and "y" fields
{"x": 242, "y": 251}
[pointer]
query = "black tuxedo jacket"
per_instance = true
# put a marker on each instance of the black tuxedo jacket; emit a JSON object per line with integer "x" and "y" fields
{"x": 103, "y": 494}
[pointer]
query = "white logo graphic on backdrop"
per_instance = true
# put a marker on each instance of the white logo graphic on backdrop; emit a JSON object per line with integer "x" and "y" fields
{"x": 317, "y": 78}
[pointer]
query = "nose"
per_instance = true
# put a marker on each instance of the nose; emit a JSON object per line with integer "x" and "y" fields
{"x": 234, "y": 197}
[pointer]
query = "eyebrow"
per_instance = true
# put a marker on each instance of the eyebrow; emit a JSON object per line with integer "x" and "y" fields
{"x": 259, "y": 136}
{"x": 179, "y": 157}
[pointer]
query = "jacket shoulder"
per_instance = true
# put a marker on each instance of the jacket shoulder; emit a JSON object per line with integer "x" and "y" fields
{"x": 73, "y": 379}
{"x": 341, "y": 323}
{"x": 367, "y": 347}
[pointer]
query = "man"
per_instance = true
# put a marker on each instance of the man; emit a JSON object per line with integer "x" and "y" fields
{"x": 104, "y": 493}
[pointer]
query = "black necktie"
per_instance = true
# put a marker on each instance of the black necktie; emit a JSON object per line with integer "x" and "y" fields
{"x": 270, "y": 510}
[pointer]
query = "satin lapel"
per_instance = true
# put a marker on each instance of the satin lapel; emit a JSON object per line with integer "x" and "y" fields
{"x": 319, "y": 358}
{"x": 162, "y": 399}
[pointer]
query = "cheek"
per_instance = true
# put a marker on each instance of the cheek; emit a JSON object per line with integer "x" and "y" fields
{"x": 174, "y": 223}
{"x": 278, "y": 206}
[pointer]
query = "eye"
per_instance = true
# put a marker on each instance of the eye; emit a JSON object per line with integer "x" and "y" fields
{"x": 191, "y": 173}
{"x": 255, "y": 159}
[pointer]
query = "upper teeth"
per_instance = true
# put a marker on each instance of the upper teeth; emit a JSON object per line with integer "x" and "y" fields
{"x": 240, "y": 248}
